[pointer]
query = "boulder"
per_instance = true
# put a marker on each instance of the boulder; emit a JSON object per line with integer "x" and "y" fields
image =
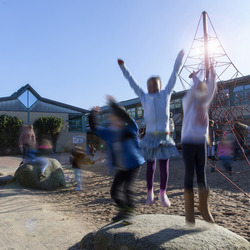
{"x": 158, "y": 231}
{"x": 28, "y": 175}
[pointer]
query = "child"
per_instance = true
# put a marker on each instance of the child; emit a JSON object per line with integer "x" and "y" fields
{"x": 44, "y": 148}
{"x": 78, "y": 158}
{"x": 225, "y": 152}
{"x": 194, "y": 139}
{"x": 27, "y": 141}
{"x": 157, "y": 143}
{"x": 122, "y": 140}
{"x": 211, "y": 144}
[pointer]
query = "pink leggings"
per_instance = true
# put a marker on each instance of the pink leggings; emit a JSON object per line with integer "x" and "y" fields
{"x": 164, "y": 173}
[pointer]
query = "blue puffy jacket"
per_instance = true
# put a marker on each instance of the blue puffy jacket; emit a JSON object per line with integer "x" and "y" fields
{"x": 124, "y": 144}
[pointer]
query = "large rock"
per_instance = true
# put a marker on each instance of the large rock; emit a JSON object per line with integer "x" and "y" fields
{"x": 153, "y": 232}
{"x": 28, "y": 175}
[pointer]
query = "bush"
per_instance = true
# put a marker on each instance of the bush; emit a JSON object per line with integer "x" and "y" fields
{"x": 9, "y": 134}
{"x": 49, "y": 128}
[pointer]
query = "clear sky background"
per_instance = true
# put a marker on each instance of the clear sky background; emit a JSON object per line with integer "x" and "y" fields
{"x": 67, "y": 50}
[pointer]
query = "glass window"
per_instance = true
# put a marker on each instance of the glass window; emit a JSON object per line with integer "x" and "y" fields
{"x": 238, "y": 97}
{"x": 247, "y": 86}
{"x": 132, "y": 112}
{"x": 75, "y": 123}
{"x": 247, "y": 96}
{"x": 224, "y": 96}
{"x": 177, "y": 108}
{"x": 139, "y": 112}
{"x": 238, "y": 88}
{"x": 27, "y": 99}
{"x": 172, "y": 108}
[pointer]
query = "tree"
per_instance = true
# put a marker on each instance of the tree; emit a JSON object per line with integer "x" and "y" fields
{"x": 48, "y": 127}
{"x": 9, "y": 134}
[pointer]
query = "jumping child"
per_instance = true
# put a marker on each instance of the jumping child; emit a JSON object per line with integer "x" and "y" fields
{"x": 122, "y": 140}
{"x": 194, "y": 143}
{"x": 157, "y": 143}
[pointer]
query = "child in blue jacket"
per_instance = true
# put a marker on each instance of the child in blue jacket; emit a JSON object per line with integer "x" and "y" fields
{"x": 122, "y": 140}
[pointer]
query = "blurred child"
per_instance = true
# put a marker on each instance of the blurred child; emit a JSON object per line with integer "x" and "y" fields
{"x": 157, "y": 143}
{"x": 27, "y": 141}
{"x": 194, "y": 139}
{"x": 225, "y": 152}
{"x": 122, "y": 140}
{"x": 78, "y": 158}
{"x": 92, "y": 151}
{"x": 44, "y": 148}
{"x": 211, "y": 143}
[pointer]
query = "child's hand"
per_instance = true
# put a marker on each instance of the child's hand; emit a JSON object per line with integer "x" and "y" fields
{"x": 120, "y": 61}
{"x": 182, "y": 52}
{"x": 97, "y": 109}
{"x": 110, "y": 99}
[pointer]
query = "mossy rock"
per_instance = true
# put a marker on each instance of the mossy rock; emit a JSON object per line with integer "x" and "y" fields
{"x": 28, "y": 175}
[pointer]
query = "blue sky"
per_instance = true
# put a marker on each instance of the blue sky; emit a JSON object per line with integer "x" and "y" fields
{"x": 67, "y": 50}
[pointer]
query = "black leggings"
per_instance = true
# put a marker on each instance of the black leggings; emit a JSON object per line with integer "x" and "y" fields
{"x": 122, "y": 187}
{"x": 195, "y": 159}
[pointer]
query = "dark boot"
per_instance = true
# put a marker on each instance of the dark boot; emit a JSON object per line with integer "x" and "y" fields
{"x": 120, "y": 216}
{"x": 189, "y": 205}
{"x": 204, "y": 205}
{"x": 129, "y": 216}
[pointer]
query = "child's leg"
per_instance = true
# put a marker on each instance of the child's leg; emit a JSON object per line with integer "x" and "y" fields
{"x": 202, "y": 183}
{"x": 164, "y": 173}
{"x": 116, "y": 188}
{"x": 213, "y": 150}
{"x": 44, "y": 163}
{"x": 128, "y": 187}
{"x": 200, "y": 160}
{"x": 188, "y": 151}
{"x": 151, "y": 166}
{"x": 77, "y": 178}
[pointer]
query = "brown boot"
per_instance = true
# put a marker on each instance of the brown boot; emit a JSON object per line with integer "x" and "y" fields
{"x": 204, "y": 205}
{"x": 189, "y": 205}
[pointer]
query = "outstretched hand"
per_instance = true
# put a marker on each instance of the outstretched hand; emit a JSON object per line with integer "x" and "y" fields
{"x": 110, "y": 99}
{"x": 120, "y": 61}
{"x": 182, "y": 52}
{"x": 97, "y": 109}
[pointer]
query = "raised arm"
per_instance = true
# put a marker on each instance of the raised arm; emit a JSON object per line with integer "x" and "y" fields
{"x": 133, "y": 84}
{"x": 171, "y": 82}
{"x": 188, "y": 98}
{"x": 211, "y": 84}
{"x": 102, "y": 132}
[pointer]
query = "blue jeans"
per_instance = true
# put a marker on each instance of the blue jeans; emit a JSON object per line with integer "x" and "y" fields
{"x": 226, "y": 161}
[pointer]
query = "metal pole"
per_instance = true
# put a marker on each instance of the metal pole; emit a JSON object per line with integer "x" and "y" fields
{"x": 204, "y": 14}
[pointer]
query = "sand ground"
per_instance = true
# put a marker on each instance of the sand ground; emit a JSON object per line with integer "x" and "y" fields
{"x": 229, "y": 206}
{"x": 93, "y": 207}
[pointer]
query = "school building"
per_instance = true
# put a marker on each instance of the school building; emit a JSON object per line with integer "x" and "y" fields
{"x": 233, "y": 96}
{"x": 29, "y": 106}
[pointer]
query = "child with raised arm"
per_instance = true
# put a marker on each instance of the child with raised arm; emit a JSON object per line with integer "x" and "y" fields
{"x": 194, "y": 143}
{"x": 157, "y": 143}
{"x": 122, "y": 140}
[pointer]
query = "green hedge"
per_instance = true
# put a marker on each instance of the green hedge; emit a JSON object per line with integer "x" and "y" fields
{"x": 9, "y": 134}
{"x": 48, "y": 128}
